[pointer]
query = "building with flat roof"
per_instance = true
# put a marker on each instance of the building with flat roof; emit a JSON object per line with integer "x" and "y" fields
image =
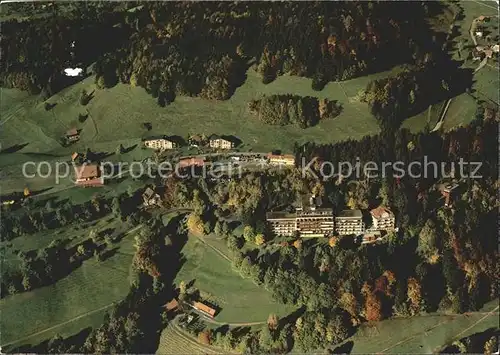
{"x": 308, "y": 220}
{"x": 282, "y": 223}
{"x": 220, "y": 142}
{"x": 315, "y": 222}
{"x": 349, "y": 222}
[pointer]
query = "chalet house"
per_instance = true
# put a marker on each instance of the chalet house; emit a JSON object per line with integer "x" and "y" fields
{"x": 150, "y": 198}
{"x": 159, "y": 143}
{"x": 72, "y": 135}
{"x": 449, "y": 193}
{"x": 276, "y": 159}
{"x": 204, "y": 309}
{"x": 219, "y": 142}
{"x": 187, "y": 162}
{"x": 383, "y": 219}
{"x": 88, "y": 175}
{"x": 349, "y": 222}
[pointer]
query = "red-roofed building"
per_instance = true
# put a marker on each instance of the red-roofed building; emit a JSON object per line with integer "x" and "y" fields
{"x": 88, "y": 175}
{"x": 172, "y": 305}
{"x": 383, "y": 218}
{"x": 187, "y": 162}
{"x": 203, "y": 308}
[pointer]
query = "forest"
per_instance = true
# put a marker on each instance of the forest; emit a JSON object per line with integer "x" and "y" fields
{"x": 292, "y": 109}
{"x": 156, "y": 48}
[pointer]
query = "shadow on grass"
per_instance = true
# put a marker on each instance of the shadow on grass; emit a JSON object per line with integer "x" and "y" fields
{"x": 14, "y": 148}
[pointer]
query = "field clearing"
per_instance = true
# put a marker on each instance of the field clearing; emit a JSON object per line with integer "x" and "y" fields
{"x": 116, "y": 116}
{"x": 88, "y": 290}
{"x": 461, "y": 112}
{"x": 427, "y": 118}
{"x": 240, "y": 299}
{"x": 422, "y": 334}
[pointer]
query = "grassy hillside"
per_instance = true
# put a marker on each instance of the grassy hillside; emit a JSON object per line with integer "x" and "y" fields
{"x": 240, "y": 299}
{"x": 116, "y": 116}
{"x": 73, "y": 303}
{"x": 424, "y": 334}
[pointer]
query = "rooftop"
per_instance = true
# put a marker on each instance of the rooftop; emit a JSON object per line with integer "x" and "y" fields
{"x": 148, "y": 193}
{"x": 280, "y": 215}
{"x": 381, "y": 211}
{"x": 350, "y": 214}
{"x": 280, "y": 156}
{"x": 191, "y": 161}
{"x": 72, "y": 132}
{"x": 86, "y": 171}
{"x": 226, "y": 138}
{"x": 150, "y": 138}
{"x": 172, "y": 305}
{"x": 203, "y": 307}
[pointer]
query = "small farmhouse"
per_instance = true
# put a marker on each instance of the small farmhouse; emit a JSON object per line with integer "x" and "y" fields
{"x": 88, "y": 175}
{"x": 204, "y": 309}
{"x": 72, "y": 135}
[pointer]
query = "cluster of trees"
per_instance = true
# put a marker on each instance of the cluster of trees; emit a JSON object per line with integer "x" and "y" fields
{"x": 34, "y": 220}
{"x": 154, "y": 47}
{"x": 479, "y": 343}
{"x": 412, "y": 90}
{"x": 293, "y": 109}
{"x": 48, "y": 265}
{"x": 308, "y": 332}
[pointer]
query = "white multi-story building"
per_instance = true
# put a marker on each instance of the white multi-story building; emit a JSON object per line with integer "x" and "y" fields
{"x": 159, "y": 143}
{"x": 349, "y": 222}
